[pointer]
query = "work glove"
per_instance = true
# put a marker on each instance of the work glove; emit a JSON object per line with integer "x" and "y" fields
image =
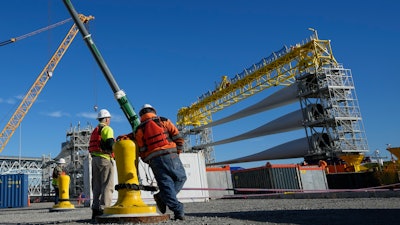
{"x": 125, "y": 137}
{"x": 179, "y": 148}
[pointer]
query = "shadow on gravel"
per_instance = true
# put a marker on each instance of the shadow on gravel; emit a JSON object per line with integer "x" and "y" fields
{"x": 88, "y": 221}
{"x": 315, "y": 217}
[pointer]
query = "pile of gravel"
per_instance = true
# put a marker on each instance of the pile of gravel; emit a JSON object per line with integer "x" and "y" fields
{"x": 279, "y": 210}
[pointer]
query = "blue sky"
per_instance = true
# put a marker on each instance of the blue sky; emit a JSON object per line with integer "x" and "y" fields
{"x": 167, "y": 53}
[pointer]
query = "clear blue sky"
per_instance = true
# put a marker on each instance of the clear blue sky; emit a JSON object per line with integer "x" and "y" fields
{"x": 167, "y": 53}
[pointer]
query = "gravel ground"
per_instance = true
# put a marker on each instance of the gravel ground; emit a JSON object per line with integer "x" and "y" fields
{"x": 337, "y": 209}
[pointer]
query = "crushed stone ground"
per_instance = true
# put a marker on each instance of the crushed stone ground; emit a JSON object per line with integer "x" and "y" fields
{"x": 335, "y": 210}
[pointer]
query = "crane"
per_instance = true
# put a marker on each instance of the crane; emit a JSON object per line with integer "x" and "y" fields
{"x": 38, "y": 85}
{"x": 280, "y": 68}
{"x": 12, "y": 40}
{"x": 319, "y": 80}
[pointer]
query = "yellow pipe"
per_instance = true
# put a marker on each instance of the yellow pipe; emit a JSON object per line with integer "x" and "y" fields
{"x": 64, "y": 203}
{"x": 129, "y": 200}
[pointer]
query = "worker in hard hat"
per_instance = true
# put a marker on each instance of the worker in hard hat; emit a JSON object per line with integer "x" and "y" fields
{"x": 57, "y": 171}
{"x": 100, "y": 149}
{"x": 160, "y": 144}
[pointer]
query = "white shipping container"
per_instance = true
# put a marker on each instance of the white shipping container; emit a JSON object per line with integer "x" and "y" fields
{"x": 195, "y": 168}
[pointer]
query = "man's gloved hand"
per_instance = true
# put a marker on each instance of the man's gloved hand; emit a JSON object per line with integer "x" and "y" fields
{"x": 122, "y": 137}
{"x": 179, "y": 148}
{"x": 125, "y": 137}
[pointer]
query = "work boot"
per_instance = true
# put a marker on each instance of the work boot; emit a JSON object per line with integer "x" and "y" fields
{"x": 160, "y": 204}
{"x": 95, "y": 213}
{"x": 179, "y": 217}
{"x": 94, "y": 216}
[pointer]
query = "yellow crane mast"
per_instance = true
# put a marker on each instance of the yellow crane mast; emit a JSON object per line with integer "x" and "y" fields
{"x": 280, "y": 68}
{"x": 38, "y": 85}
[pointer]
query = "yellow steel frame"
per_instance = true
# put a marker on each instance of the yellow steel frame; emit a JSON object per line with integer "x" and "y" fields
{"x": 38, "y": 85}
{"x": 282, "y": 71}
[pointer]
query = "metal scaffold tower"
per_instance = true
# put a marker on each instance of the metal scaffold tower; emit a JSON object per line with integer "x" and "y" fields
{"x": 39, "y": 170}
{"x": 75, "y": 151}
{"x": 338, "y": 130}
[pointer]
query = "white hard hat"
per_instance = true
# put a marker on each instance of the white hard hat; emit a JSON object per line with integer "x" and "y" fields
{"x": 103, "y": 113}
{"x": 146, "y": 108}
{"x": 61, "y": 161}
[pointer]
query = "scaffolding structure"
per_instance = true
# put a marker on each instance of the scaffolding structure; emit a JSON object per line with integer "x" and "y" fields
{"x": 75, "y": 150}
{"x": 39, "y": 170}
{"x": 328, "y": 96}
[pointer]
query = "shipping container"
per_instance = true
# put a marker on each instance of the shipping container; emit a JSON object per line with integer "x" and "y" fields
{"x": 313, "y": 178}
{"x": 219, "y": 178}
{"x": 353, "y": 180}
{"x": 13, "y": 190}
{"x": 196, "y": 182}
{"x": 284, "y": 176}
{"x": 279, "y": 178}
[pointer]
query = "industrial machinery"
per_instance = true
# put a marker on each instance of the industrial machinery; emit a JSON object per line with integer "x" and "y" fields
{"x": 129, "y": 206}
{"x": 12, "y": 40}
{"x": 119, "y": 94}
{"x": 32, "y": 94}
{"x": 39, "y": 184}
{"x": 312, "y": 76}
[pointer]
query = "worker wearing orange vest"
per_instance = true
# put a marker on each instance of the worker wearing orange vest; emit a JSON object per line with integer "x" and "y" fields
{"x": 100, "y": 149}
{"x": 160, "y": 143}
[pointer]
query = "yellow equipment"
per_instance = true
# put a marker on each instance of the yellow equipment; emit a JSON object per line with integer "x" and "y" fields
{"x": 300, "y": 65}
{"x": 395, "y": 151}
{"x": 38, "y": 85}
{"x": 129, "y": 206}
{"x": 63, "y": 181}
{"x": 129, "y": 200}
{"x": 278, "y": 69}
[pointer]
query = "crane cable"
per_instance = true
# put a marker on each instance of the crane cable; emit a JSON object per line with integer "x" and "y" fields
{"x": 12, "y": 40}
{"x": 95, "y": 83}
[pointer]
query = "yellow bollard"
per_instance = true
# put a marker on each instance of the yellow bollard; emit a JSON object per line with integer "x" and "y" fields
{"x": 64, "y": 203}
{"x": 129, "y": 200}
